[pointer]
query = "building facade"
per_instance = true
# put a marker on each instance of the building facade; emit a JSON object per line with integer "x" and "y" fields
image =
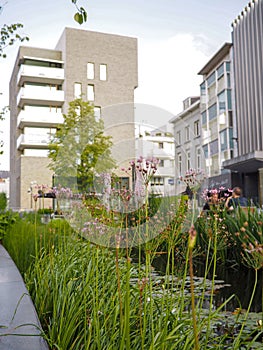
{"x": 217, "y": 110}
{"x": 100, "y": 68}
{"x": 159, "y": 144}
{"x": 247, "y": 37}
{"x": 187, "y": 136}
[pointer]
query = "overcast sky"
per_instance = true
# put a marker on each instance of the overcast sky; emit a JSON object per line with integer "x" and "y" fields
{"x": 175, "y": 40}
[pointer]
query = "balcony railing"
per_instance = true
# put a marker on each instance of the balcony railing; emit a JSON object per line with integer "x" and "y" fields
{"x": 40, "y": 95}
{"x": 40, "y": 74}
{"x": 35, "y": 118}
{"x": 165, "y": 171}
{"x": 33, "y": 141}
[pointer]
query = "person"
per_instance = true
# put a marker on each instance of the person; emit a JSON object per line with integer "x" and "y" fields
{"x": 212, "y": 201}
{"x": 236, "y": 199}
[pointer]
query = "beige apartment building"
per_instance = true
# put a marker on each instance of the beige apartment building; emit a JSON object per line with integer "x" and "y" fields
{"x": 100, "y": 68}
{"x": 187, "y": 136}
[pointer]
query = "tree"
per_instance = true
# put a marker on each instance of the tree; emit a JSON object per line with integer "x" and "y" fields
{"x": 79, "y": 150}
{"x": 9, "y": 35}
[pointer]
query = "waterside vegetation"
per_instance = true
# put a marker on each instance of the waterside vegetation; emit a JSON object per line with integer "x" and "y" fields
{"x": 90, "y": 296}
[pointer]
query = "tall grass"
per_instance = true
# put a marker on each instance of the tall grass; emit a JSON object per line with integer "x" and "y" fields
{"x": 92, "y": 297}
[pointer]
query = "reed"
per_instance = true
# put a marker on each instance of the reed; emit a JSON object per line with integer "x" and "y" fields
{"x": 93, "y": 297}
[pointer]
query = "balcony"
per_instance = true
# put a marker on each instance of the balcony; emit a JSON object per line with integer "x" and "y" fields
{"x": 35, "y": 118}
{"x": 40, "y": 74}
{"x": 165, "y": 171}
{"x": 33, "y": 94}
{"x": 32, "y": 141}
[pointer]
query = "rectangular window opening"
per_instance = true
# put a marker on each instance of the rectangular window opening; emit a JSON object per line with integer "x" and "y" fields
{"x": 103, "y": 72}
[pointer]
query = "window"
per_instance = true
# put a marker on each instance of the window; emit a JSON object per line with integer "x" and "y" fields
{"x": 231, "y": 138}
{"x": 188, "y": 160}
{"x": 211, "y": 79}
{"x": 220, "y": 71}
{"x": 223, "y": 140}
{"x": 90, "y": 93}
{"x": 103, "y": 72}
{"x": 39, "y": 63}
{"x": 228, "y": 80}
{"x": 161, "y": 163}
{"x": 228, "y": 66}
{"x": 179, "y": 161}
{"x": 214, "y": 147}
{"x": 202, "y": 89}
{"x": 205, "y": 149}
{"x": 160, "y": 145}
{"x": 90, "y": 70}
{"x": 230, "y": 118}
{"x": 157, "y": 181}
{"x": 97, "y": 113}
{"x": 198, "y": 158}
{"x": 229, "y": 99}
{"x": 222, "y": 102}
{"x": 178, "y": 137}
{"x": 197, "y": 128}
{"x": 187, "y": 133}
{"x": 212, "y": 112}
{"x": 77, "y": 90}
{"x": 204, "y": 117}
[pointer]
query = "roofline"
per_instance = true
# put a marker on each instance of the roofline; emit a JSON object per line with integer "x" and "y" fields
{"x": 242, "y": 13}
{"x": 185, "y": 111}
{"x": 218, "y": 56}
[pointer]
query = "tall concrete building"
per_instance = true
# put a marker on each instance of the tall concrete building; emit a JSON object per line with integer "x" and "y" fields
{"x": 247, "y": 37}
{"x": 100, "y": 68}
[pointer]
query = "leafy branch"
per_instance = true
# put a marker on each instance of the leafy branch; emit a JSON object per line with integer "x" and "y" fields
{"x": 81, "y": 14}
{"x": 9, "y": 35}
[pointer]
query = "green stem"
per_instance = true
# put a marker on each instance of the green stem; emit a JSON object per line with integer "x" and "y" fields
{"x": 196, "y": 347}
{"x": 237, "y": 340}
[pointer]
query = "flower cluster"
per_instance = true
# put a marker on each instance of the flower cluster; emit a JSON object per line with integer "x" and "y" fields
{"x": 193, "y": 178}
{"x": 145, "y": 168}
{"x": 62, "y": 192}
{"x": 222, "y": 192}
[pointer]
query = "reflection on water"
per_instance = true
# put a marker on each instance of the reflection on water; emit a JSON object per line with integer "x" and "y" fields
{"x": 229, "y": 281}
{"x": 240, "y": 283}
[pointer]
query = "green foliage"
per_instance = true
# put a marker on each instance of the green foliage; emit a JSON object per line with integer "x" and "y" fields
{"x": 7, "y": 219}
{"x": 81, "y": 15}
{"x": 9, "y": 34}
{"x": 80, "y": 149}
{"x": 3, "y": 201}
{"x": 45, "y": 211}
{"x": 2, "y": 115}
{"x": 27, "y": 238}
{"x": 92, "y": 297}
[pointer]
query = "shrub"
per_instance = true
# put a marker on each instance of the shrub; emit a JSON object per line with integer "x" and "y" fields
{"x": 3, "y": 201}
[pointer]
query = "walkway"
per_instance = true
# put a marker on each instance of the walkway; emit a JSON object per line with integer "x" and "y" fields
{"x": 19, "y": 323}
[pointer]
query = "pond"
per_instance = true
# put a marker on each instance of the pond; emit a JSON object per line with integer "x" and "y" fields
{"x": 229, "y": 281}
{"x": 241, "y": 283}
